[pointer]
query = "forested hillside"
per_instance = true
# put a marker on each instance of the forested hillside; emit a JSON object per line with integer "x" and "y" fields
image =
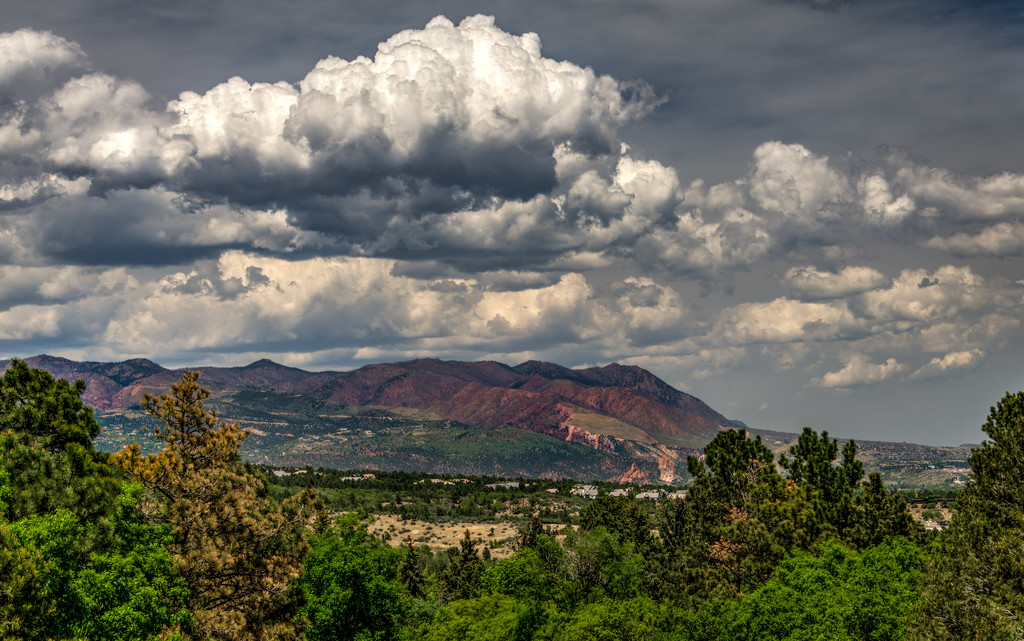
{"x": 191, "y": 542}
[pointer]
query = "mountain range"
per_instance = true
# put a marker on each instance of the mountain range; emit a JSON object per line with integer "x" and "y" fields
{"x": 540, "y": 420}
{"x": 617, "y": 422}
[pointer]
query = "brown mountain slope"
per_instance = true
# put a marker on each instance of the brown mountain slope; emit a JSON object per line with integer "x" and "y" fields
{"x": 624, "y": 411}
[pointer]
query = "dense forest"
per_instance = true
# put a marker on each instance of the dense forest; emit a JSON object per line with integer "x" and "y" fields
{"x": 191, "y": 542}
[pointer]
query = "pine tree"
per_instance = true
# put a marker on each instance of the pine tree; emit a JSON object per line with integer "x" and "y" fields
{"x": 811, "y": 461}
{"x": 410, "y": 572}
{"x": 237, "y": 549}
{"x": 46, "y": 433}
{"x": 461, "y": 579}
{"x": 974, "y": 587}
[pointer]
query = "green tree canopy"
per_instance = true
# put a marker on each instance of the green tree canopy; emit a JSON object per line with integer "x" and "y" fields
{"x": 46, "y": 433}
{"x": 350, "y": 586}
{"x": 838, "y": 594}
{"x": 36, "y": 406}
{"x": 461, "y": 578}
{"x": 812, "y": 461}
{"x": 975, "y": 577}
{"x": 622, "y": 516}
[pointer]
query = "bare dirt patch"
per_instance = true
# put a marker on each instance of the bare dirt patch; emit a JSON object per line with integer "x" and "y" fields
{"x": 496, "y": 537}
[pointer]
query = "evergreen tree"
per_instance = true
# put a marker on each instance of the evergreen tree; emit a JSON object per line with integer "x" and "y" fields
{"x": 75, "y": 560}
{"x": 237, "y": 549}
{"x": 880, "y": 515}
{"x": 622, "y": 516}
{"x": 811, "y": 461}
{"x": 410, "y": 572}
{"x": 738, "y": 520}
{"x": 975, "y": 578}
{"x": 462, "y": 577}
{"x": 46, "y": 433}
{"x": 45, "y": 410}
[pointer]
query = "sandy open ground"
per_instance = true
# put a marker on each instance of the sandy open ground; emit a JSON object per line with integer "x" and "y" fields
{"x": 441, "y": 536}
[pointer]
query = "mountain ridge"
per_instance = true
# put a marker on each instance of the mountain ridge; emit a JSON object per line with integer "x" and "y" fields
{"x": 614, "y": 422}
{"x": 623, "y": 411}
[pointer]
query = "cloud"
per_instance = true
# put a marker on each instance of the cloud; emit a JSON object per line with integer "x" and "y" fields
{"x": 649, "y": 313}
{"x": 457, "y": 144}
{"x": 447, "y": 132}
{"x": 989, "y": 197}
{"x": 244, "y": 299}
{"x": 880, "y": 205}
{"x": 949, "y": 311}
{"x": 791, "y": 182}
{"x": 860, "y": 371}
{"x": 810, "y": 283}
{"x": 784, "y": 320}
{"x": 950, "y": 362}
{"x": 139, "y": 226}
{"x": 917, "y": 295}
{"x": 450, "y": 114}
{"x": 31, "y": 61}
{"x": 1002, "y": 239}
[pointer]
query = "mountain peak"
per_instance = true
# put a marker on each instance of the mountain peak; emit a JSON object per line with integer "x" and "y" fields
{"x": 264, "y": 363}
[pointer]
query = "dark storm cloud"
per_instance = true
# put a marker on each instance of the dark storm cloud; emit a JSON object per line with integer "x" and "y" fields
{"x": 445, "y": 120}
{"x": 736, "y": 72}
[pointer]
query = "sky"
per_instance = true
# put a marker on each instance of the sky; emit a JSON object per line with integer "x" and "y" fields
{"x": 804, "y": 212}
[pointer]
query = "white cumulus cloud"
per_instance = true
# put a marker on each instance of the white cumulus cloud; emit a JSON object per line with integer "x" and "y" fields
{"x": 1002, "y": 239}
{"x": 950, "y": 362}
{"x": 861, "y": 371}
{"x": 809, "y": 282}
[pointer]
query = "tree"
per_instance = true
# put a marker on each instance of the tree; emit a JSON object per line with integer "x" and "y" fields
{"x": 25, "y": 613}
{"x": 524, "y": 576}
{"x": 732, "y": 463}
{"x": 491, "y": 617}
{"x": 637, "y": 619}
{"x": 837, "y": 594}
{"x": 975, "y": 577}
{"x": 601, "y": 565}
{"x": 350, "y": 586}
{"x": 738, "y": 520}
{"x": 879, "y": 515}
{"x": 462, "y": 577}
{"x": 75, "y": 559}
{"x": 410, "y": 572}
{"x": 236, "y": 548}
{"x": 811, "y": 461}
{"x": 46, "y": 433}
{"x": 526, "y": 536}
{"x": 47, "y": 410}
{"x": 620, "y": 515}
{"x": 127, "y": 591}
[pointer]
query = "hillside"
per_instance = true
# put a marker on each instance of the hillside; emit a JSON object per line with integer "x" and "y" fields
{"x": 535, "y": 419}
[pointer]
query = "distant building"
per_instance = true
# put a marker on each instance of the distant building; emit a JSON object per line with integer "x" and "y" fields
{"x": 618, "y": 493}
{"x": 511, "y": 485}
{"x": 678, "y": 494}
{"x": 586, "y": 491}
{"x": 363, "y": 477}
{"x": 652, "y": 495}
